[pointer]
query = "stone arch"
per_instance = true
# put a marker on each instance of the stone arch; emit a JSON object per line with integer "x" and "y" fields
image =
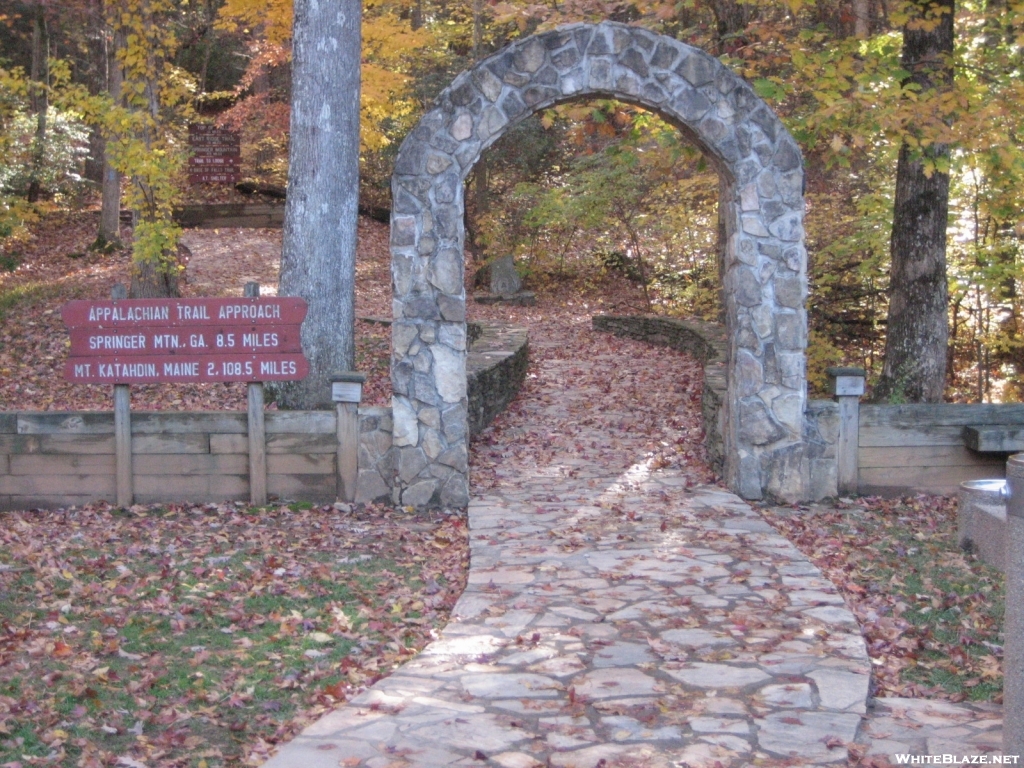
{"x": 764, "y": 274}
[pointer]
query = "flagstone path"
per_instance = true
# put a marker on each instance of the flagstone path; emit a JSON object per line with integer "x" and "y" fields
{"x": 621, "y": 618}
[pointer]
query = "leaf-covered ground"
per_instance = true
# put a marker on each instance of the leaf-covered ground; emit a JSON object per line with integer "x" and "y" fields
{"x": 931, "y": 614}
{"x": 200, "y": 636}
{"x": 204, "y": 635}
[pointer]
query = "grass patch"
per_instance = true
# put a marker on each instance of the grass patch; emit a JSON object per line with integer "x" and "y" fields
{"x": 931, "y": 613}
{"x": 24, "y": 294}
{"x": 201, "y": 636}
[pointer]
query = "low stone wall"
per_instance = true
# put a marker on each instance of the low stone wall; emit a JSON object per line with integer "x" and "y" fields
{"x": 706, "y": 342}
{"x": 60, "y": 459}
{"x": 821, "y": 438}
{"x": 495, "y": 370}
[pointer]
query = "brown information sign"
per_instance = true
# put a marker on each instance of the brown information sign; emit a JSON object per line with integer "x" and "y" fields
{"x": 185, "y": 340}
{"x": 216, "y": 155}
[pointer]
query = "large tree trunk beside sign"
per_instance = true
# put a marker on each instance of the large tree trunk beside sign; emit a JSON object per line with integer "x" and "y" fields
{"x": 318, "y": 257}
{"x": 917, "y": 336}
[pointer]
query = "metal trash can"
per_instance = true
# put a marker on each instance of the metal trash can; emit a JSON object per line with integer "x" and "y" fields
{"x": 981, "y": 520}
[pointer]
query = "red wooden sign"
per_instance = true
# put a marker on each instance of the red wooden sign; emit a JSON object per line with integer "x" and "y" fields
{"x": 185, "y": 340}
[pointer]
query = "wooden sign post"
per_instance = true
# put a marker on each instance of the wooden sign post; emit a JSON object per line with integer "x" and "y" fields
{"x": 257, "y": 430}
{"x": 142, "y": 341}
{"x": 123, "y": 428}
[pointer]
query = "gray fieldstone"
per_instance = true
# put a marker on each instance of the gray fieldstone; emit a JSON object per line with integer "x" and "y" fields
{"x": 505, "y": 279}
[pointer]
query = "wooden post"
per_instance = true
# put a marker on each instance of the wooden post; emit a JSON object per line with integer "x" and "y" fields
{"x": 257, "y": 431}
{"x": 848, "y": 387}
{"x": 347, "y": 391}
{"x": 1013, "y": 625}
{"x": 123, "y": 429}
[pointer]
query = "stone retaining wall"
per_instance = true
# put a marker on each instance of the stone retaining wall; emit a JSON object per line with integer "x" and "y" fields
{"x": 708, "y": 342}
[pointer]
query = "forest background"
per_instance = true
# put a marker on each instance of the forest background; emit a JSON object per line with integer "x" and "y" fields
{"x": 93, "y": 92}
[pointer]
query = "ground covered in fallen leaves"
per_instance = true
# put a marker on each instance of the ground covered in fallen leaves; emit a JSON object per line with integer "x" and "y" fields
{"x": 932, "y": 614}
{"x": 204, "y": 635}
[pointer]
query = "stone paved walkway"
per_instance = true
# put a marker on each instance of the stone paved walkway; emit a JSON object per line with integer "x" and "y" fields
{"x": 619, "y": 618}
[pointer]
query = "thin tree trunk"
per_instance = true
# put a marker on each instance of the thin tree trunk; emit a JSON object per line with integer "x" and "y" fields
{"x": 321, "y": 210}
{"x": 152, "y": 278}
{"x": 861, "y": 18}
{"x": 39, "y": 100}
{"x": 110, "y": 211}
{"x": 480, "y": 197}
{"x": 914, "y": 369}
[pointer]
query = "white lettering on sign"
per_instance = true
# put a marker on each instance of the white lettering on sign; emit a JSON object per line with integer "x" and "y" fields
{"x": 259, "y": 340}
{"x": 127, "y": 370}
{"x": 250, "y": 312}
{"x": 166, "y": 341}
{"x": 82, "y": 369}
{"x": 103, "y": 314}
{"x": 278, "y": 368}
{"x": 181, "y": 369}
{"x": 192, "y": 312}
{"x": 135, "y": 341}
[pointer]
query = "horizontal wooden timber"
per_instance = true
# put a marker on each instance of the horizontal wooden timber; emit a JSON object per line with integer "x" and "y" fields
{"x": 308, "y": 422}
{"x": 49, "y": 501}
{"x": 926, "y": 434}
{"x": 91, "y": 444}
{"x": 317, "y": 488}
{"x": 191, "y": 464}
{"x": 277, "y": 443}
{"x": 232, "y": 215}
{"x": 893, "y": 481}
{"x": 924, "y": 456}
{"x": 96, "y": 485}
{"x": 67, "y": 423}
{"x": 171, "y": 443}
{"x": 940, "y": 414}
{"x": 166, "y": 422}
{"x": 151, "y": 489}
{"x": 44, "y": 464}
{"x": 1001, "y": 439}
{"x": 302, "y": 464}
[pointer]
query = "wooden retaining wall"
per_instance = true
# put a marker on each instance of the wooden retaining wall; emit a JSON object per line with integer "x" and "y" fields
{"x": 922, "y": 448}
{"x": 62, "y": 459}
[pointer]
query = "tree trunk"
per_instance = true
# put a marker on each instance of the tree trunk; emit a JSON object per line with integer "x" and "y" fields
{"x": 861, "y": 18}
{"x": 39, "y": 100}
{"x": 731, "y": 18}
{"x": 110, "y": 211}
{"x": 152, "y": 277}
{"x": 321, "y": 210}
{"x": 918, "y": 324}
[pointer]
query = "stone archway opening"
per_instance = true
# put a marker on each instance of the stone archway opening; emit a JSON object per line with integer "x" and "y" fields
{"x": 764, "y": 269}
